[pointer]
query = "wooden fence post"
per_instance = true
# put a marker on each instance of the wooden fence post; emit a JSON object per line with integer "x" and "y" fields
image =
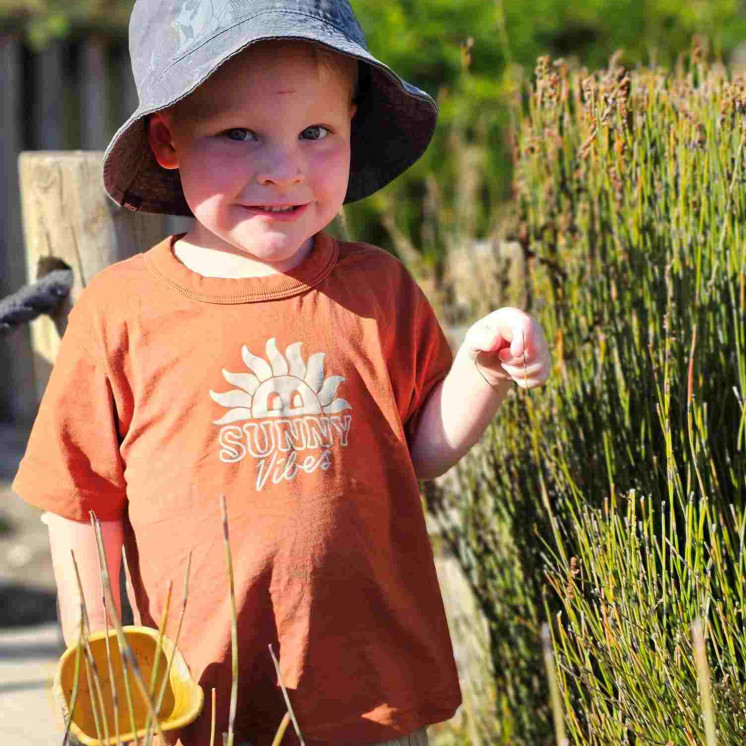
{"x": 93, "y": 99}
{"x": 67, "y": 214}
{"x": 17, "y": 400}
{"x": 48, "y": 105}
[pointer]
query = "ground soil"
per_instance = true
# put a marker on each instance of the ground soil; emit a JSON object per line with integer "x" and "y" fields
{"x": 30, "y": 637}
{"x": 27, "y": 589}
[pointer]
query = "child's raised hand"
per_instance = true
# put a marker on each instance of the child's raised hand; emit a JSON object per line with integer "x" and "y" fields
{"x": 508, "y": 345}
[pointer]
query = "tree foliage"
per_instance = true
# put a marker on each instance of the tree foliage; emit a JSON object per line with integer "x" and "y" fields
{"x": 465, "y": 54}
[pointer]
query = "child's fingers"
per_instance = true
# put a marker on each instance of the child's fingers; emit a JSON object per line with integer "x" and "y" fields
{"x": 518, "y": 370}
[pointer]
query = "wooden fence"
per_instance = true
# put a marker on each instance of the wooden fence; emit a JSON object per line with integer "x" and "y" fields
{"x": 73, "y": 95}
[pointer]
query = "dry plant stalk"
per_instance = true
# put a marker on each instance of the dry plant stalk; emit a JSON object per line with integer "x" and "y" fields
{"x": 554, "y": 693}
{"x": 281, "y": 730}
{"x": 76, "y": 675}
{"x": 178, "y": 635}
{"x": 129, "y": 662}
{"x": 212, "y": 724}
{"x": 287, "y": 698}
{"x": 94, "y": 688}
{"x": 115, "y": 698}
{"x": 123, "y": 644}
{"x": 234, "y": 626}
{"x": 703, "y": 676}
{"x": 156, "y": 662}
{"x": 228, "y": 737}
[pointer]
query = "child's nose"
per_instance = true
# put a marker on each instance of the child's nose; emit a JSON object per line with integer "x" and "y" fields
{"x": 280, "y": 168}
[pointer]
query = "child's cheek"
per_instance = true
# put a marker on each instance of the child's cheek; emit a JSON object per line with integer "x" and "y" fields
{"x": 331, "y": 166}
{"x": 212, "y": 151}
{"x": 217, "y": 162}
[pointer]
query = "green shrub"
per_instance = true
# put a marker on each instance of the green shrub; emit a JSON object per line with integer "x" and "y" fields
{"x": 611, "y": 501}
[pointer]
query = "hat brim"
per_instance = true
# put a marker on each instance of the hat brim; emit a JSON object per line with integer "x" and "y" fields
{"x": 391, "y": 129}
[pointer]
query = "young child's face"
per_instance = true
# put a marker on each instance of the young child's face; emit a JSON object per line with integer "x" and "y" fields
{"x": 269, "y": 129}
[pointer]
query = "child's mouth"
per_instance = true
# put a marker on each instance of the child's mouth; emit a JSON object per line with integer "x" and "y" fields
{"x": 278, "y": 212}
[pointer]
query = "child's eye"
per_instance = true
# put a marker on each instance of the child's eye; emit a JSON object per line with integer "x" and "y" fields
{"x": 239, "y": 134}
{"x": 317, "y": 132}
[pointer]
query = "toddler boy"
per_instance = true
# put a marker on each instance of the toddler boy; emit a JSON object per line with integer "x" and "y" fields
{"x": 255, "y": 356}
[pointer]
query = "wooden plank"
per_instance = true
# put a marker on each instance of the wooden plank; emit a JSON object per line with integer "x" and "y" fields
{"x": 67, "y": 214}
{"x": 93, "y": 94}
{"x": 17, "y": 398}
{"x": 48, "y": 108}
{"x": 128, "y": 89}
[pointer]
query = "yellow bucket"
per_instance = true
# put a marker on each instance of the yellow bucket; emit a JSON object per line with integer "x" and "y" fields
{"x": 182, "y": 701}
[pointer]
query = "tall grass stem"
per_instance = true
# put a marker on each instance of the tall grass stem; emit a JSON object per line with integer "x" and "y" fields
{"x": 703, "y": 677}
{"x": 234, "y": 625}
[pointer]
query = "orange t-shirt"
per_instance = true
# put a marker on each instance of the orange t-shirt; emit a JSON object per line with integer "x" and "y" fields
{"x": 293, "y": 395}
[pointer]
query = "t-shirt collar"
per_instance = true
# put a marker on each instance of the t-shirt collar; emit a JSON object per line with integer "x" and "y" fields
{"x": 162, "y": 262}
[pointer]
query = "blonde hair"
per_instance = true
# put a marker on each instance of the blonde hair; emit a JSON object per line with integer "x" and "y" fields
{"x": 329, "y": 60}
{"x": 337, "y": 64}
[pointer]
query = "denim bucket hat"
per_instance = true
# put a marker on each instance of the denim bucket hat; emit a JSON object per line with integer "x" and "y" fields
{"x": 175, "y": 45}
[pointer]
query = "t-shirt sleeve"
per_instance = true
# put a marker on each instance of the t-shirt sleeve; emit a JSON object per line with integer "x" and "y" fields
{"x": 424, "y": 355}
{"x": 72, "y": 462}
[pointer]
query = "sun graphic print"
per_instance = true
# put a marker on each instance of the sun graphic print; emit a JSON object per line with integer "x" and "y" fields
{"x": 287, "y": 407}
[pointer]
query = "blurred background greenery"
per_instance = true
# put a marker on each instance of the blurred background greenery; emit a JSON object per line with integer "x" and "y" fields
{"x": 461, "y": 52}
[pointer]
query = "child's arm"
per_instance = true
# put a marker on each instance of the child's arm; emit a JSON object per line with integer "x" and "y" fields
{"x": 66, "y": 535}
{"x": 509, "y": 346}
{"x": 454, "y": 417}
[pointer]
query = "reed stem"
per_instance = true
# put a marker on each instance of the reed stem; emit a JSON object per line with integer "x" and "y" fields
{"x": 123, "y": 643}
{"x": 156, "y": 662}
{"x": 114, "y": 695}
{"x": 76, "y": 679}
{"x": 162, "y": 693}
{"x": 234, "y": 626}
{"x": 281, "y": 730}
{"x": 94, "y": 686}
{"x": 703, "y": 677}
{"x": 558, "y": 715}
{"x": 285, "y": 695}
{"x": 212, "y": 724}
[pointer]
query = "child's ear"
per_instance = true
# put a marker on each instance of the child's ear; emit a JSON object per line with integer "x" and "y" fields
{"x": 161, "y": 142}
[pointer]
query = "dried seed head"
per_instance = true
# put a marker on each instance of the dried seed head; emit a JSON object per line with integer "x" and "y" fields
{"x": 553, "y": 87}
{"x": 548, "y": 83}
{"x": 571, "y": 575}
{"x": 614, "y": 59}
{"x": 699, "y": 139}
{"x": 727, "y": 104}
{"x": 585, "y": 148}
{"x": 620, "y": 145}
{"x": 608, "y": 109}
{"x": 565, "y": 222}
{"x": 700, "y": 49}
{"x": 616, "y": 184}
{"x": 542, "y": 67}
{"x": 532, "y": 146}
{"x": 589, "y": 92}
{"x": 563, "y": 70}
{"x": 623, "y": 96}
{"x": 738, "y": 89}
{"x": 552, "y": 142}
